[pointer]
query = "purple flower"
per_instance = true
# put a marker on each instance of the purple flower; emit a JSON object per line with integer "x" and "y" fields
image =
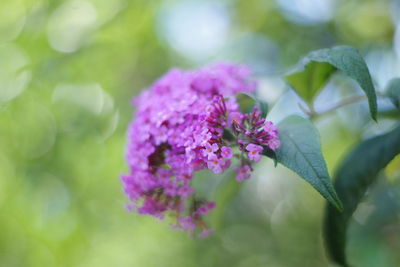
{"x": 254, "y": 152}
{"x": 210, "y": 149}
{"x": 204, "y": 209}
{"x": 215, "y": 164}
{"x": 274, "y": 143}
{"x": 243, "y": 173}
{"x": 179, "y": 128}
{"x": 205, "y": 233}
{"x": 187, "y": 223}
{"x": 226, "y": 152}
{"x": 269, "y": 127}
{"x": 235, "y": 117}
{"x": 185, "y": 191}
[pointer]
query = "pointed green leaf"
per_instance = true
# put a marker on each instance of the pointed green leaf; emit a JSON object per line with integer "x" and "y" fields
{"x": 300, "y": 151}
{"x": 314, "y": 71}
{"x": 393, "y": 92}
{"x": 357, "y": 172}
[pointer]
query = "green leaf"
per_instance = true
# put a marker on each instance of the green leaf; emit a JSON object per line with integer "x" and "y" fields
{"x": 393, "y": 91}
{"x": 247, "y": 101}
{"x": 354, "y": 176}
{"x": 312, "y": 77}
{"x": 314, "y": 71}
{"x": 300, "y": 151}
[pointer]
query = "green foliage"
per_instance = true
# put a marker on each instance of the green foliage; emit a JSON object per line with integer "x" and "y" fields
{"x": 393, "y": 91}
{"x": 314, "y": 70}
{"x": 354, "y": 177}
{"x": 63, "y": 119}
{"x": 247, "y": 101}
{"x": 300, "y": 151}
{"x": 310, "y": 77}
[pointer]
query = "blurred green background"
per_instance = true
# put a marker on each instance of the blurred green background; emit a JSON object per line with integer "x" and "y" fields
{"x": 68, "y": 70}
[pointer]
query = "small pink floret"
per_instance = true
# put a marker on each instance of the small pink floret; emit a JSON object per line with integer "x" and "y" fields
{"x": 226, "y": 152}
{"x": 254, "y": 152}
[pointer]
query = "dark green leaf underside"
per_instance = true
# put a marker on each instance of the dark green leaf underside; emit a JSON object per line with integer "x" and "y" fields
{"x": 357, "y": 172}
{"x": 393, "y": 91}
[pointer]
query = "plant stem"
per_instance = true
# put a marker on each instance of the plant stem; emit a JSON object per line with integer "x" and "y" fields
{"x": 347, "y": 101}
{"x": 344, "y": 102}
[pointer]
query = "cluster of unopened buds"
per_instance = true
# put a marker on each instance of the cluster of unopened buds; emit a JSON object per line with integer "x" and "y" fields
{"x": 186, "y": 122}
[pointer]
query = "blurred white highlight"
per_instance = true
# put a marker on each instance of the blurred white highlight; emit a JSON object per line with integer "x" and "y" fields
{"x": 12, "y": 19}
{"x": 195, "y": 29}
{"x": 70, "y": 24}
{"x": 307, "y": 12}
{"x": 14, "y": 77}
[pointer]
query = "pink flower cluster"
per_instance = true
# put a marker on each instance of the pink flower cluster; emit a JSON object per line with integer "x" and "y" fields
{"x": 189, "y": 121}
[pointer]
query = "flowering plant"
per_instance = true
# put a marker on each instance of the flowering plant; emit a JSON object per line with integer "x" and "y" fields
{"x": 192, "y": 120}
{"x": 189, "y": 121}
